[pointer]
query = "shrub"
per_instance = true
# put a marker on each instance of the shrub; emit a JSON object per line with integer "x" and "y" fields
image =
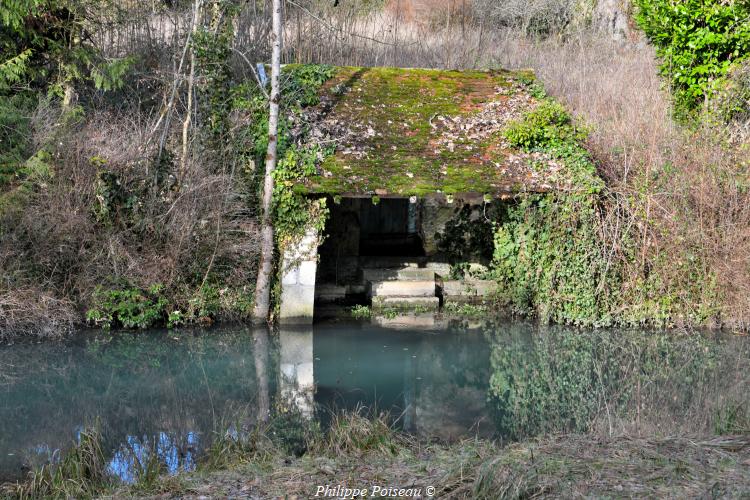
{"x": 131, "y": 308}
{"x": 546, "y": 125}
{"x": 698, "y": 41}
{"x": 15, "y": 134}
{"x": 543, "y": 17}
{"x": 549, "y": 257}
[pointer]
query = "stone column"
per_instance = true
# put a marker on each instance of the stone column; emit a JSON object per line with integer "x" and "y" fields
{"x": 299, "y": 265}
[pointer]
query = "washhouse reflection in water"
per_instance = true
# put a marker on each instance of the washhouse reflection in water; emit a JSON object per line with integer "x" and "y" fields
{"x": 167, "y": 393}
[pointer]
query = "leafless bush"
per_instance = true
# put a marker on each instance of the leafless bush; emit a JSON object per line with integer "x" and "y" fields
{"x": 319, "y": 33}
{"x": 155, "y": 232}
{"x": 25, "y": 312}
{"x": 529, "y": 16}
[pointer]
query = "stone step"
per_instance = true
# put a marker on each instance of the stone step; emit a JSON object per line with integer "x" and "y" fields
{"x": 388, "y": 262}
{"x": 468, "y": 290}
{"x": 399, "y": 288}
{"x": 410, "y": 321}
{"x": 443, "y": 269}
{"x": 330, "y": 293}
{"x": 406, "y": 303}
{"x": 408, "y": 274}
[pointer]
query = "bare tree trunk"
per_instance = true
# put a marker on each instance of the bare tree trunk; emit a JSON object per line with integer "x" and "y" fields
{"x": 263, "y": 285}
{"x": 191, "y": 79}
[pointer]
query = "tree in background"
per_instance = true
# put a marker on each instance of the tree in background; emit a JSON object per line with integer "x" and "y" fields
{"x": 48, "y": 43}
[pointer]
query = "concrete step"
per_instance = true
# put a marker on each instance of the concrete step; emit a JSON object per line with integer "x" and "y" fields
{"x": 443, "y": 269}
{"x": 388, "y": 262}
{"x": 408, "y": 274}
{"x": 406, "y": 303}
{"x": 399, "y": 288}
{"x": 330, "y": 293}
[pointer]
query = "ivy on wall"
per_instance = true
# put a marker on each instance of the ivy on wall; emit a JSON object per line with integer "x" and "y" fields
{"x": 550, "y": 257}
{"x": 547, "y": 254}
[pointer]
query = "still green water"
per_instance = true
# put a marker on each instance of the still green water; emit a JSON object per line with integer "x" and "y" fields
{"x": 169, "y": 392}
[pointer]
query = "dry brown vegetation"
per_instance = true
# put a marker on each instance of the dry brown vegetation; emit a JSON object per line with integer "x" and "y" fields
{"x": 680, "y": 193}
{"x": 552, "y": 467}
{"x": 676, "y": 217}
{"x": 102, "y": 211}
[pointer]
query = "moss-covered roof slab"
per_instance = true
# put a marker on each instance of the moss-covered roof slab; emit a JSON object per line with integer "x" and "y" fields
{"x": 402, "y": 132}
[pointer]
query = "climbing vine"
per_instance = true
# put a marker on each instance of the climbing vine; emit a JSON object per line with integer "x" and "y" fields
{"x": 547, "y": 253}
{"x": 293, "y": 211}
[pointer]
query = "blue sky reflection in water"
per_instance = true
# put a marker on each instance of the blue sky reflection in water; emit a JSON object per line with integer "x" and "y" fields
{"x": 136, "y": 452}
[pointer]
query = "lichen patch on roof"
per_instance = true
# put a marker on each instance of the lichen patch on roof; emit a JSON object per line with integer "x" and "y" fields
{"x": 415, "y": 132}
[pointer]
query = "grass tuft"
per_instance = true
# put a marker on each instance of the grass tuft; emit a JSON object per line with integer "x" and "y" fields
{"x": 82, "y": 472}
{"x": 357, "y": 432}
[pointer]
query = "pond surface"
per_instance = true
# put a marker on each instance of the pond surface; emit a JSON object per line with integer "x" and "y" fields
{"x": 169, "y": 392}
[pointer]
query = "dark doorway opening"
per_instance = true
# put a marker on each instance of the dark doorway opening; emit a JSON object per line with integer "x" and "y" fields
{"x": 389, "y": 228}
{"x": 361, "y": 234}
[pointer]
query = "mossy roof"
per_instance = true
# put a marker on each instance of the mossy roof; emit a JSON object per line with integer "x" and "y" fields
{"x": 402, "y": 132}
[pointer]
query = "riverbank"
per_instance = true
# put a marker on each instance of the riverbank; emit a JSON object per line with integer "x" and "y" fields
{"x": 552, "y": 467}
{"x": 364, "y": 453}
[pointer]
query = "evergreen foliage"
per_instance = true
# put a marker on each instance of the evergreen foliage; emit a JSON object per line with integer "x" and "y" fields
{"x": 698, "y": 41}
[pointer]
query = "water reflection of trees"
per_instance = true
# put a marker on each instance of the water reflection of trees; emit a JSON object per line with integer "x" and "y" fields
{"x": 141, "y": 386}
{"x": 161, "y": 395}
{"x": 560, "y": 380}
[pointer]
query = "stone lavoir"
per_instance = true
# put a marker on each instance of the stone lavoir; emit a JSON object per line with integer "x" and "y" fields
{"x": 420, "y": 171}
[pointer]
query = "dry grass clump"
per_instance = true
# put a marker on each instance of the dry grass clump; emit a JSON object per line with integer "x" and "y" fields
{"x": 585, "y": 467}
{"x": 548, "y": 468}
{"x": 355, "y": 432}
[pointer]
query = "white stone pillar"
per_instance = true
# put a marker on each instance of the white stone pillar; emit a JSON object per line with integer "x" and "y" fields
{"x": 299, "y": 265}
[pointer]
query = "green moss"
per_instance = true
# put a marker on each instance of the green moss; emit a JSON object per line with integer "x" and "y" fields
{"x": 403, "y": 140}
